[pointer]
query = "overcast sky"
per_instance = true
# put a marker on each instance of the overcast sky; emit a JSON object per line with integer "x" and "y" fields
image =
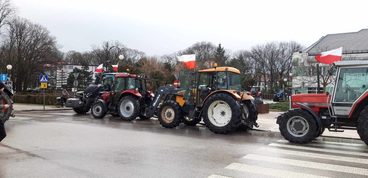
{"x": 159, "y": 27}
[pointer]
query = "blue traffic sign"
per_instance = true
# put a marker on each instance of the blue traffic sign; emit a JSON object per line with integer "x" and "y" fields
{"x": 3, "y": 77}
{"x": 44, "y": 78}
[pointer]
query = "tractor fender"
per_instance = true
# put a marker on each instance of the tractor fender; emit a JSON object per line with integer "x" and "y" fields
{"x": 229, "y": 92}
{"x": 131, "y": 92}
{"x": 310, "y": 111}
{"x": 101, "y": 100}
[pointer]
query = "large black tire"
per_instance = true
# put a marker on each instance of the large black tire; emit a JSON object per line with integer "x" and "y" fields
{"x": 98, "y": 110}
{"x": 250, "y": 114}
{"x": 222, "y": 113}
{"x": 362, "y": 126}
{"x": 191, "y": 121}
{"x": 298, "y": 126}
{"x": 81, "y": 110}
{"x": 128, "y": 108}
{"x": 170, "y": 114}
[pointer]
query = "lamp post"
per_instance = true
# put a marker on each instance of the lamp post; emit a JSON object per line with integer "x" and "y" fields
{"x": 9, "y": 67}
{"x": 121, "y": 57}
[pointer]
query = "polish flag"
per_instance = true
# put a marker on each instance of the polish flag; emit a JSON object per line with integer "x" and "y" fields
{"x": 188, "y": 60}
{"x": 115, "y": 68}
{"x": 99, "y": 69}
{"x": 329, "y": 57}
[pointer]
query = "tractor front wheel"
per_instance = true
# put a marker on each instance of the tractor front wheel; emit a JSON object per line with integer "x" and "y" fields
{"x": 98, "y": 110}
{"x": 222, "y": 113}
{"x": 170, "y": 114}
{"x": 298, "y": 126}
{"x": 363, "y": 125}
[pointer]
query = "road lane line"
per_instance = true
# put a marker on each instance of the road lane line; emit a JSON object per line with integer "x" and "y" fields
{"x": 316, "y": 155}
{"x": 217, "y": 176}
{"x": 308, "y": 164}
{"x": 268, "y": 171}
{"x": 326, "y": 150}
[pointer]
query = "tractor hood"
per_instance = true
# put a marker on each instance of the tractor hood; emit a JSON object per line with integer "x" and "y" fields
{"x": 311, "y": 100}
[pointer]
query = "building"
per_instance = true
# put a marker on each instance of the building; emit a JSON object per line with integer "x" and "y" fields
{"x": 63, "y": 72}
{"x": 304, "y": 77}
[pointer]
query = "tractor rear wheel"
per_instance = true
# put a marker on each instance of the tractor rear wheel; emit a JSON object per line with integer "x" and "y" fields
{"x": 298, "y": 126}
{"x": 362, "y": 126}
{"x": 128, "y": 108}
{"x": 222, "y": 113}
{"x": 170, "y": 114}
{"x": 191, "y": 121}
{"x": 98, "y": 110}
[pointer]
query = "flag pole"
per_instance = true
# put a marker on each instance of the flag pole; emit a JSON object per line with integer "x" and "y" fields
{"x": 318, "y": 86}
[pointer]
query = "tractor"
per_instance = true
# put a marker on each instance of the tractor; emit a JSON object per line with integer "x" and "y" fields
{"x": 212, "y": 94}
{"x": 83, "y": 100}
{"x": 127, "y": 98}
{"x": 345, "y": 107}
{"x": 6, "y": 107}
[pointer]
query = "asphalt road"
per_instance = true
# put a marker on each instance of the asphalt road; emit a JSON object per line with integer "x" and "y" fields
{"x": 62, "y": 144}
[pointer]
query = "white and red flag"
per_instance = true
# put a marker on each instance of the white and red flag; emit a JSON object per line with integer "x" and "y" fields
{"x": 189, "y": 60}
{"x": 99, "y": 69}
{"x": 115, "y": 68}
{"x": 329, "y": 57}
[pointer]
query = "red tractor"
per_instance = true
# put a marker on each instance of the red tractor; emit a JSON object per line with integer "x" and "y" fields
{"x": 346, "y": 107}
{"x": 127, "y": 98}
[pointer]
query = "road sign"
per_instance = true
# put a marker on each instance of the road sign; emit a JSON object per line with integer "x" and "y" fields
{"x": 44, "y": 78}
{"x": 3, "y": 77}
{"x": 43, "y": 85}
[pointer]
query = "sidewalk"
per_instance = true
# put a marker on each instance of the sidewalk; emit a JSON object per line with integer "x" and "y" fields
{"x": 267, "y": 124}
{"x": 36, "y": 107}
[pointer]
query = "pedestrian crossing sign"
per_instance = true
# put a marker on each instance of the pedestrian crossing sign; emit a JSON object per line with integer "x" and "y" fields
{"x": 44, "y": 78}
{"x": 43, "y": 85}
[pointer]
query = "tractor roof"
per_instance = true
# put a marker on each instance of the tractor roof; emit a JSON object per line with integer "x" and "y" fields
{"x": 123, "y": 74}
{"x": 221, "y": 69}
{"x": 351, "y": 63}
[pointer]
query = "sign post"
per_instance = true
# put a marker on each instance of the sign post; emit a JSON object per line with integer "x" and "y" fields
{"x": 43, "y": 80}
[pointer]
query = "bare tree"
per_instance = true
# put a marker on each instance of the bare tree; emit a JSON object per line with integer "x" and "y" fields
{"x": 6, "y": 10}
{"x": 273, "y": 61}
{"x": 28, "y": 47}
{"x": 204, "y": 51}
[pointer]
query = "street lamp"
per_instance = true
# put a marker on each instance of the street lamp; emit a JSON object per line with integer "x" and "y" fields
{"x": 9, "y": 67}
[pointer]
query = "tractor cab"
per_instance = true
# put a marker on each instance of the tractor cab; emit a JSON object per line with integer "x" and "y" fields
{"x": 350, "y": 87}
{"x": 216, "y": 79}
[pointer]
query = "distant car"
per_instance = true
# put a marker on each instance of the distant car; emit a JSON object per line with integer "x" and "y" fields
{"x": 279, "y": 96}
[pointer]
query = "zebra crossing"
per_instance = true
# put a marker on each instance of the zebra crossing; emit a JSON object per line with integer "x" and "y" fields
{"x": 317, "y": 159}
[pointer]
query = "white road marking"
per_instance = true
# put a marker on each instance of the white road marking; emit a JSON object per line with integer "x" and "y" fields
{"x": 308, "y": 164}
{"x": 316, "y": 155}
{"x": 268, "y": 171}
{"x": 319, "y": 149}
{"x": 217, "y": 176}
{"x": 333, "y": 145}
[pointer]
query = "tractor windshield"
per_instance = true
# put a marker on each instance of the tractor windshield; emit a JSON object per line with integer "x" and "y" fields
{"x": 228, "y": 81}
{"x": 124, "y": 83}
{"x": 234, "y": 81}
{"x": 351, "y": 84}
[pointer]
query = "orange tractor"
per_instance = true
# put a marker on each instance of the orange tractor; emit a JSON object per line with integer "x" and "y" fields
{"x": 346, "y": 107}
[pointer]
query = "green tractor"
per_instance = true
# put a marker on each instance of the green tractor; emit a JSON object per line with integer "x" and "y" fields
{"x": 213, "y": 95}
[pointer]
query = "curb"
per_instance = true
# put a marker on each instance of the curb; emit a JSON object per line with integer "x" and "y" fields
{"x": 271, "y": 134}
